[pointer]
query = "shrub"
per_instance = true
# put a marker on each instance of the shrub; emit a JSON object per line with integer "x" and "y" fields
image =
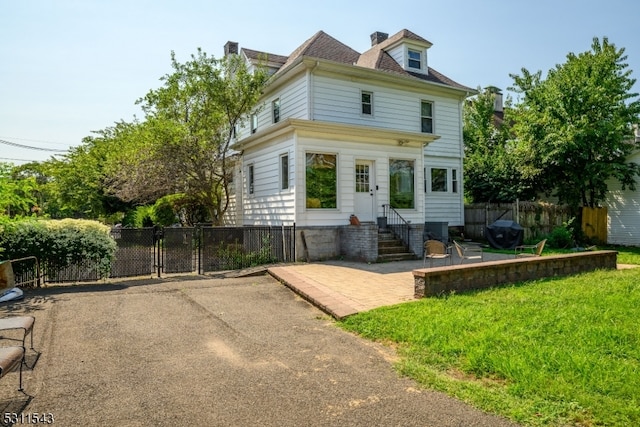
{"x": 59, "y": 243}
{"x": 560, "y": 237}
{"x": 139, "y": 217}
{"x": 165, "y": 210}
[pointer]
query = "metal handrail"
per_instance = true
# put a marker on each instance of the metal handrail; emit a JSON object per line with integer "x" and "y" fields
{"x": 398, "y": 225}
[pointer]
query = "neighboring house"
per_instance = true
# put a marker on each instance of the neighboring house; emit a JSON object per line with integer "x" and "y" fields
{"x": 623, "y": 208}
{"x": 341, "y": 133}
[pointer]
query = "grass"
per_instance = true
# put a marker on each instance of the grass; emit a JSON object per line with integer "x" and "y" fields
{"x": 545, "y": 353}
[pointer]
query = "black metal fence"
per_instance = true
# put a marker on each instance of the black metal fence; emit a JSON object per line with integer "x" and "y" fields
{"x": 150, "y": 251}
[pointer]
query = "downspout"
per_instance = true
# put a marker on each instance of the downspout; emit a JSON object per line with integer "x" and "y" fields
{"x": 461, "y": 177}
{"x": 311, "y": 92}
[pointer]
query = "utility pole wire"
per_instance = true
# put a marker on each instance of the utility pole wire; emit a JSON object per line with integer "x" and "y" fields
{"x": 2, "y": 141}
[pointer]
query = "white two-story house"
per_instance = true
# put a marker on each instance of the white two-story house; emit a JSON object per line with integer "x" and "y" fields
{"x": 339, "y": 133}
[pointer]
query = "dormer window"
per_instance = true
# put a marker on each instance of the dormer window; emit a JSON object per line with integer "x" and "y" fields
{"x": 415, "y": 59}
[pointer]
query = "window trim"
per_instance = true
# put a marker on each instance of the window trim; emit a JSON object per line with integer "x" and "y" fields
{"x": 254, "y": 122}
{"x": 414, "y": 183}
{"x": 452, "y": 180}
{"x": 284, "y": 175}
{"x": 411, "y": 60}
{"x": 362, "y": 103}
{"x": 306, "y": 186}
{"x": 251, "y": 179}
{"x": 422, "y": 102}
{"x": 275, "y": 110}
{"x": 455, "y": 181}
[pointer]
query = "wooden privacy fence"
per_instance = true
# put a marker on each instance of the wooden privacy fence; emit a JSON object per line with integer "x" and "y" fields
{"x": 536, "y": 218}
{"x": 594, "y": 223}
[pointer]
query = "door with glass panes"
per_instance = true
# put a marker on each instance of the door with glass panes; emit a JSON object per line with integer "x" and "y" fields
{"x": 364, "y": 200}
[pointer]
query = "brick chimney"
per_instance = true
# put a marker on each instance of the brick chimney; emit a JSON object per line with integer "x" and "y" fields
{"x": 231, "y": 48}
{"x": 378, "y": 37}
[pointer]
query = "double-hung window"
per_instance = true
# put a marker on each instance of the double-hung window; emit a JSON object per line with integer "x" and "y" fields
{"x": 284, "y": 171}
{"x": 415, "y": 59}
{"x": 426, "y": 116}
{"x": 254, "y": 122}
{"x": 275, "y": 107}
{"x": 367, "y": 103}
{"x": 250, "y": 179}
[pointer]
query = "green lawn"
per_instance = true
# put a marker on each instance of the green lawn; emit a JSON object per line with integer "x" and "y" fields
{"x": 550, "y": 352}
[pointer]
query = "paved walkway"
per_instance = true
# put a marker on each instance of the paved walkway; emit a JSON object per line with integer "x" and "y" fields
{"x": 342, "y": 288}
{"x": 201, "y": 351}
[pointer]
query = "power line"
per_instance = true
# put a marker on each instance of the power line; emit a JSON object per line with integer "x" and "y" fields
{"x": 34, "y": 140}
{"x": 16, "y": 160}
{"x": 13, "y": 144}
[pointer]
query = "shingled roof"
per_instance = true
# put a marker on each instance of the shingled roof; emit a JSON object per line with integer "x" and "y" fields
{"x": 255, "y": 55}
{"x": 323, "y": 46}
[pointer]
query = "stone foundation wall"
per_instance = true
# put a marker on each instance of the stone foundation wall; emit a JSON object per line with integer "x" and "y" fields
{"x": 359, "y": 242}
{"x": 459, "y": 278}
{"x": 353, "y": 242}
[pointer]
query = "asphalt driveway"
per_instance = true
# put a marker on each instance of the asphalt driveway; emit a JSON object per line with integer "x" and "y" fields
{"x": 210, "y": 352}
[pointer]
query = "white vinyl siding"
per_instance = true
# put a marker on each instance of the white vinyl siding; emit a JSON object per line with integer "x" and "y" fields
{"x": 444, "y": 205}
{"x": 340, "y": 101}
{"x": 623, "y": 210}
{"x": 269, "y": 204}
{"x": 293, "y": 104}
{"x": 348, "y": 152}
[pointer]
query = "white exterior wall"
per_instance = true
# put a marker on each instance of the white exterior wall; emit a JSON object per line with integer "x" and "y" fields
{"x": 293, "y": 104}
{"x": 623, "y": 208}
{"x": 339, "y": 101}
{"x": 269, "y": 205}
{"x": 328, "y": 98}
{"x": 347, "y": 153}
{"x": 446, "y": 152}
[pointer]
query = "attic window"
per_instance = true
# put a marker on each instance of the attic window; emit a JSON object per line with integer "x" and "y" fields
{"x": 415, "y": 59}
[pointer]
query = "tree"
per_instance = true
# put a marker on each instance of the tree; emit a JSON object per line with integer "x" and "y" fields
{"x": 490, "y": 169}
{"x": 76, "y": 182}
{"x": 574, "y": 127}
{"x": 183, "y": 144}
{"x": 17, "y": 196}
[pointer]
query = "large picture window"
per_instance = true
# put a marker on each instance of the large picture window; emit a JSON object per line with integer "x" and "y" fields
{"x": 401, "y": 180}
{"x": 321, "y": 180}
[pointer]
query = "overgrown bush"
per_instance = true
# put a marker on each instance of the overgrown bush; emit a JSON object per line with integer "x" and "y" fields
{"x": 560, "y": 237}
{"x": 165, "y": 210}
{"x": 59, "y": 243}
{"x": 142, "y": 216}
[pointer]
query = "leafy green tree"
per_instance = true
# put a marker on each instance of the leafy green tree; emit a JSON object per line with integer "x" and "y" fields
{"x": 183, "y": 144}
{"x": 491, "y": 173}
{"x": 76, "y": 183}
{"x": 17, "y": 194}
{"x": 574, "y": 127}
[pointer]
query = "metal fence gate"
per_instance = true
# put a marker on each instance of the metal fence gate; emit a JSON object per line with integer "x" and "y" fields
{"x": 202, "y": 249}
{"x": 136, "y": 253}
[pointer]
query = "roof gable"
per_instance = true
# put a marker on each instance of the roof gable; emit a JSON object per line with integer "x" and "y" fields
{"x": 323, "y": 46}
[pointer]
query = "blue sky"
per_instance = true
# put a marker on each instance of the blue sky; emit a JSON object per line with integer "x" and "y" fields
{"x": 69, "y": 67}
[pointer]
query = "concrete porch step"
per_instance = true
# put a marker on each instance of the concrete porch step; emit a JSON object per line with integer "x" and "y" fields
{"x": 405, "y": 256}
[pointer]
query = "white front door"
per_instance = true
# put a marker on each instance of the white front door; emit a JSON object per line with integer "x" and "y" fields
{"x": 364, "y": 200}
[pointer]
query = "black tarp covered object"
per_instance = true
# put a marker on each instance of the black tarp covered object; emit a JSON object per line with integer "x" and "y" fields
{"x": 504, "y": 234}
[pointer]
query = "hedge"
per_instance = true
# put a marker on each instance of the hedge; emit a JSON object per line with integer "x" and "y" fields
{"x": 59, "y": 243}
